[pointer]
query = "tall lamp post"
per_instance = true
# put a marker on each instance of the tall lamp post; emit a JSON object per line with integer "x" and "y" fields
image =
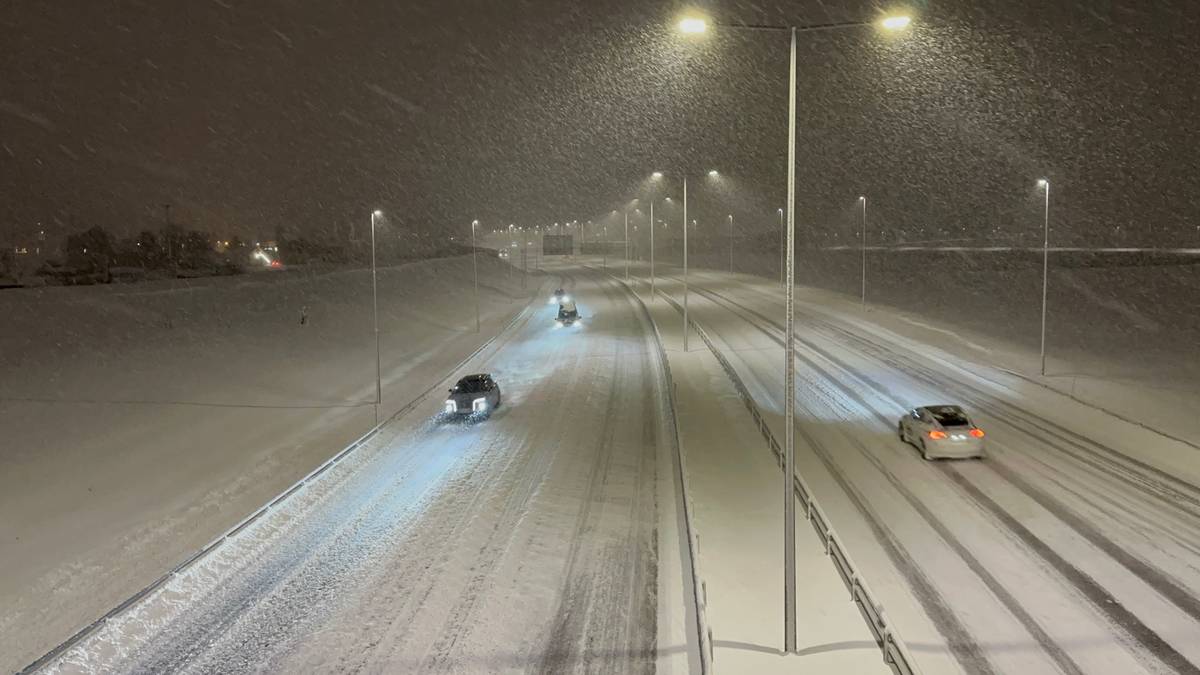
{"x": 685, "y": 266}
{"x": 731, "y": 243}
{"x": 656, "y": 175}
{"x": 475, "y": 270}
{"x": 863, "y": 241}
{"x": 697, "y": 25}
{"x": 375, "y": 317}
{"x": 782, "y": 234}
{"x": 1045, "y": 185}
{"x": 626, "y": 244}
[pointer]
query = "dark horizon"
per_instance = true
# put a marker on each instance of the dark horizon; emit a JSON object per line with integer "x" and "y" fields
{"x": 251, "y": 120}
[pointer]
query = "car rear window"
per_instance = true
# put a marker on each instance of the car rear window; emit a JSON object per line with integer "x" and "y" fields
{"x": 950, "y": 417}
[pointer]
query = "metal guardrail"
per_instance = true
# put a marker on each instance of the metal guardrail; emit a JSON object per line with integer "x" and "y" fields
{"x": 895, "y": 653}
{"x": 699, "y": 588}
{"x": 86, "y": 631}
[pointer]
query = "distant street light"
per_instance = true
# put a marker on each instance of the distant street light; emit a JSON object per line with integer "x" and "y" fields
{"x": 1045, "y": 185}
{"x": 375, "y": 314}
{"x": 731, "y": 243}
{"x": 863, "y": 239}
{"x": 475, "y": 269}
{"x": 626, "y": 244}
{"x": 685, "y": 267}
{"x": 605, "y": 245}
{"x": 782, "y": 234}
{"x": 695, "y": 25}
{"x": 656, "y": 176}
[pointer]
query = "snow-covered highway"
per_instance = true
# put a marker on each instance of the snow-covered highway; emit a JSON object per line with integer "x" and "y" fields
{"x": 543, "y": 538}
{"x": 526, "y": 541}
{"x": 1072, "y": 548}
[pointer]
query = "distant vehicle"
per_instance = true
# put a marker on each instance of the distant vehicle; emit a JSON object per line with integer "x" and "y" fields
{"x": 473, "y": 395}
{"x": 568, "y": 313}
{"x": 503, "y": 253}
{"x": 559, "y": 296}
{"x": 941, "y": 431}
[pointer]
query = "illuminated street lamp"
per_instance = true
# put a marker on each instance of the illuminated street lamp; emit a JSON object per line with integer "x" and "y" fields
{"x": 475, "y": 269}
{"x": 863, "y": 240}
{"x": 375, "y": 315}
{"x": 693, "y": 26}
{"x": 657, "y": 175}
{"x": 1045, "y": 185}
{"x": 731, "y": 243}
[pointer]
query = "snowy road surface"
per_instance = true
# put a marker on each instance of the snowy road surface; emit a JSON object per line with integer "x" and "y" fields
{"x": 1073, "y": 548}
{"x": 522, "y": 542}
{"x": 140, "y": 421}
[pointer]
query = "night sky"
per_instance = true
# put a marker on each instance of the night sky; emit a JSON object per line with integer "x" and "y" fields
{"x": 255, "y": 117}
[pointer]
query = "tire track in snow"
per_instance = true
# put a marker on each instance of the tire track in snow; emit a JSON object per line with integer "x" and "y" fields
{"x": 1089, "y": 589}
{"x": 1100, "y": 598}
{"x": 962, "y": 644}
{"x": 574, "y": 630}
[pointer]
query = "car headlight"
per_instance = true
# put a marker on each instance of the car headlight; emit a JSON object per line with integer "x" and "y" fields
{"x": 450, "y": 407}
{"x": 479, "y": 405}
{"x": 566, "y": 298}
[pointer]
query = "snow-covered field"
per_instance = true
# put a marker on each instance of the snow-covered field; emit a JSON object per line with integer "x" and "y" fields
{"x": 140, "y": 421}
{"x": 1074, "y": 547}
{"x": 525, "y": 541}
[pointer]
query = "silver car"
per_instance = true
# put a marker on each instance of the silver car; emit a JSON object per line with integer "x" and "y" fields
{"x": 473, "y": 395}
{"x": 942, "y": 431}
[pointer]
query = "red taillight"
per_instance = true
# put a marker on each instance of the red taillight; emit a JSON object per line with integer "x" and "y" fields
{"x": 937, "y": 435}
{"x": 977, "y": 433}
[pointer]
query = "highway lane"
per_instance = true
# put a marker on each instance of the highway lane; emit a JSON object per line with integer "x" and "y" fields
{"x": 524, "y": 541}
{"x": 1062, "y": 552}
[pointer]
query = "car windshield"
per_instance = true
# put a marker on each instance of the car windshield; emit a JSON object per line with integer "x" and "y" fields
{"x": 949, "y": 416}
{"x": 470, "y": 385}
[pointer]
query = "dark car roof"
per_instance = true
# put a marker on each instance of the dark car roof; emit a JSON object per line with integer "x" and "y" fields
{"x": 476, "y": 377}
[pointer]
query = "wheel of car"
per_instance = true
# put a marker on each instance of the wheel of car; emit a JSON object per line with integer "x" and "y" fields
{"x": 924, "y": 452}
{"x": 900, "y": 432}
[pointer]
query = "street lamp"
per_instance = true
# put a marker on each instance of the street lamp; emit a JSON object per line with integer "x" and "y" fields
{"x": 782, "y": 234}
{"x": 863, "y": 240}
{"x": 731, "y": 243}
{"x": 375, "y": 314}
{"x": 626, "y": 243}
{"x": 693, "y": 25}
{"x": 475, "y": 269}
{"x": 1045, "y": 185}
{"x": 657, "y": 175}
